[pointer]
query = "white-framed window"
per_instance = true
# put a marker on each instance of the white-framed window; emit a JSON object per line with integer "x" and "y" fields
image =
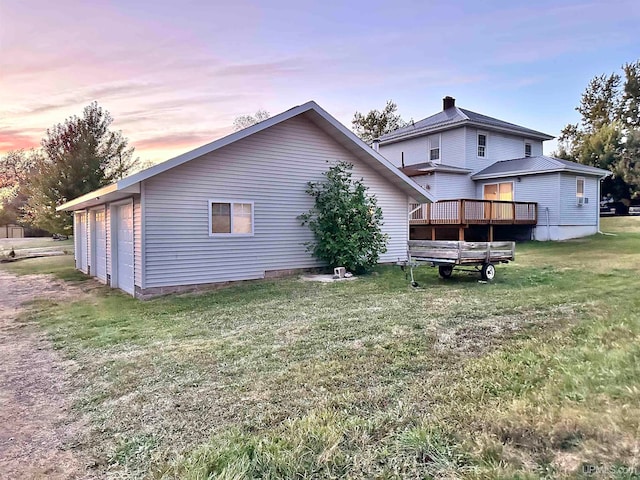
{"x": 482, "y": 144}
{"x": 498, "y": 191}
{"x": 230, "y": 217}
{"x": 579, "y": 187}
{"x": 527, "y": 148}
{"x": 434, "y": 148}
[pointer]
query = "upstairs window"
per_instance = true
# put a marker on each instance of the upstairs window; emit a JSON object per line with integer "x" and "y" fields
{"x": 527, "y": 149}
{"x": 482, "y": 145}
{"x": 434, "y": 148}
{"x": 579, "y": 187}
{"x": 230, "y": 218}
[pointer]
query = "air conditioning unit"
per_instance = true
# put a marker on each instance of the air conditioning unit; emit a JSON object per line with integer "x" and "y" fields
{"x": 582, "y": 201}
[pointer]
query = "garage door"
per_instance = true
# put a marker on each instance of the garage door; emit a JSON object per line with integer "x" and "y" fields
{"x": 81, "y": 241}
{"x": 124, "y": 245}
{"x": 101, "y": 246}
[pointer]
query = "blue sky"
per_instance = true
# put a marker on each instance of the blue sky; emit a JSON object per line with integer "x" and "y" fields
{"x": 174, "y": 75}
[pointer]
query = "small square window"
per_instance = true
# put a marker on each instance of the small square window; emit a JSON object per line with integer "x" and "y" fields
{"x": 527, "y": 149}
{"x": 482, "y": 145}
{"x": 231, "y": 218}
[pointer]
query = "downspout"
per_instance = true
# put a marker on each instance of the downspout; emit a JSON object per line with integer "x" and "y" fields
{"x": 546, "y": 209}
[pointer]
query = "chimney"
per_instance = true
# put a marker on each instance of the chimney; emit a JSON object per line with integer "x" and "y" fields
{"x": 448, "y": 102}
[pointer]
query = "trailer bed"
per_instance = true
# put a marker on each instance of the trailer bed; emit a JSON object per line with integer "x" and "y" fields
{"x": 447, "y": 255}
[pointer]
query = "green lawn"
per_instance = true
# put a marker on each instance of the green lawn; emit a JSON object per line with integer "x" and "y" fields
{"x": 537, "y": 374}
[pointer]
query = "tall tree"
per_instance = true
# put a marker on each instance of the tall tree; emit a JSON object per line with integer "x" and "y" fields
{"x": 377, "y": 123}
{"x": 15, "y": 169}
{"x": 245, "y": 121}
{"x": 79, "y": 155}
{"x": 608, "y": 131}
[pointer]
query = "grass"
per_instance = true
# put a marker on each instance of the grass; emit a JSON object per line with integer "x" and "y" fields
{"x": 536, "y": 375}
{"x": 30, "y": 245}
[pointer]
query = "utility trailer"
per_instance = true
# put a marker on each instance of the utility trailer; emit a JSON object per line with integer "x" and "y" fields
{"x": 478, "y": 257}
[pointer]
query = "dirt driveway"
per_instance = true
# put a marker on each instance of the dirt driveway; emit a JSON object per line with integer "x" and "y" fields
{"x": 36, "y": 421}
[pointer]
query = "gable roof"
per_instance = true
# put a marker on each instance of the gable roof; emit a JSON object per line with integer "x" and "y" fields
{"x": 311, "y": 111}
{"x": 535, "y": 165}
{"x": 458, "y": 117}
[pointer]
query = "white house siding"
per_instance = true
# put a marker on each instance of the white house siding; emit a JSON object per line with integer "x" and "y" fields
{"x": 270, "y": 168}
{"x": 416, "y": 150}
{"x": 451, "y": 186}
{"x": 107, "y": 229}
{"x": 137, "y": 241}
{"x": 583, "y": 219}
{"x": 500, "y": 146}
{"x": 543, "y": 189}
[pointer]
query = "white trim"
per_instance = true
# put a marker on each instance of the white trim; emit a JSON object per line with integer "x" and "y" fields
{"x": 143, "y": 237}
{"x": 231, "y": 203}
{"x": 486, "y": 143}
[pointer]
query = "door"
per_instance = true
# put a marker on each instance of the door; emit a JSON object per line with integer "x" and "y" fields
{"x": 81, "y": 241}
{"x": 124, "y": 247}
{"x": 100, "y": 261}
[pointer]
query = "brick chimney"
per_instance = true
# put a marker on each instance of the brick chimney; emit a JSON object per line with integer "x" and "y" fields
{"x": 448, "y": 102}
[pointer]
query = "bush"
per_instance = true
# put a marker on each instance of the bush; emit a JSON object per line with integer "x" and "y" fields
{"x": 345, "y": 221}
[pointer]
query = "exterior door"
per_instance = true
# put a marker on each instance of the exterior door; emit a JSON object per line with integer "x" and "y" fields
{"x": 81, "y": 241}
{"x": 124, "y": 246}
{"x": 100, "y": 263}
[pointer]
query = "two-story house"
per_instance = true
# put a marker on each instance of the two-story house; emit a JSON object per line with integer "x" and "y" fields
{"x": 491, "y": 179}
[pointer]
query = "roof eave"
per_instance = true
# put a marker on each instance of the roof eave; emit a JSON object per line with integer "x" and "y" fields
{"x": 522, "y": 173}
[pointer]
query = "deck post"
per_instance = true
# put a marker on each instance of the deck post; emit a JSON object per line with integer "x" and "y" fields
{"x": 433, "y": 233}
{"x": 491, "y": 233}
{"x": 461, "y": 234}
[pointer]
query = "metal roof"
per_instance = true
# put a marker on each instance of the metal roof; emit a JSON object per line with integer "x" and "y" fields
{"x": 427, "y": 167}
{"x": 535, "y": 165}
{"x": 457, "y": 117}
{"x": 311, "y": 110}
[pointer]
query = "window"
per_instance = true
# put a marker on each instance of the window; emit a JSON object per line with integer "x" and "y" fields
{"x": 499, "y": 191}
{"x": 230, "y": 218}
{"x": 434, "y": 148}
{"x": 482, "y": 145}
{"x": 527, "y": 149}
{"x": 579, "y": 187}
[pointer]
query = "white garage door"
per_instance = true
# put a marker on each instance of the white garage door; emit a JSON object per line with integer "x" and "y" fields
{"x": 124, "y": 233}
{"x": 81, "y": 241}
{"x": 101, "y": 246}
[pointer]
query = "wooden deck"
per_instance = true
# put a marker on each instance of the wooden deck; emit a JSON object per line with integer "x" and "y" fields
{"x": 464, "y": 212}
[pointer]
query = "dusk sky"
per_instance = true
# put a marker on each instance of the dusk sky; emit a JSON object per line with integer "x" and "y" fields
{"x": 174, "y": 75}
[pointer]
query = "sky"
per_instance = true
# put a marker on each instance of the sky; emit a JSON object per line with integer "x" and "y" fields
{"x": 175, "y": 74}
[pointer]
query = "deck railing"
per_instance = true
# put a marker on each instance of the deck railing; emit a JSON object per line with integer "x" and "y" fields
{"x": 478, "y": 212}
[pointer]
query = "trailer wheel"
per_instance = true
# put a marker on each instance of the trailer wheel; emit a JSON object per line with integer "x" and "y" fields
{"x": 488, "y": 271}
{"x": 445, "y": 271}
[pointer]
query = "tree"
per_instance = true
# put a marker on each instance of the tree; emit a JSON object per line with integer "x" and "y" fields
{"x": 245, "y": 121}
{"x": 79, "y": 155}
{"x": 15, "y": 169}
{"x": 377, "y": 123}
{"x": 346, "y": 221}
{"x": 608, "y": 132}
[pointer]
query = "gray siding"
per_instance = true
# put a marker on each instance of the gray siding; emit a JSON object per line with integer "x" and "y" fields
{"x": 500, "y": 146}
{"x": 416, "y": 150}
{"x": 137, "y": 241}
{"x": 270, "y": 168}
{"x": 570, "y": 212}
{"x": 543, "y": 189}
{"x": 452, "y": 186}
{"x": 107, "y": 229}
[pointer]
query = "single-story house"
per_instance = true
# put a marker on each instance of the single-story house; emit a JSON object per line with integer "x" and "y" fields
{"x": 229, "y": 210}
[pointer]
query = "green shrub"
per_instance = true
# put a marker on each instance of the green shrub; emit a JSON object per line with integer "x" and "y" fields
{"x": 345, "y": 221}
